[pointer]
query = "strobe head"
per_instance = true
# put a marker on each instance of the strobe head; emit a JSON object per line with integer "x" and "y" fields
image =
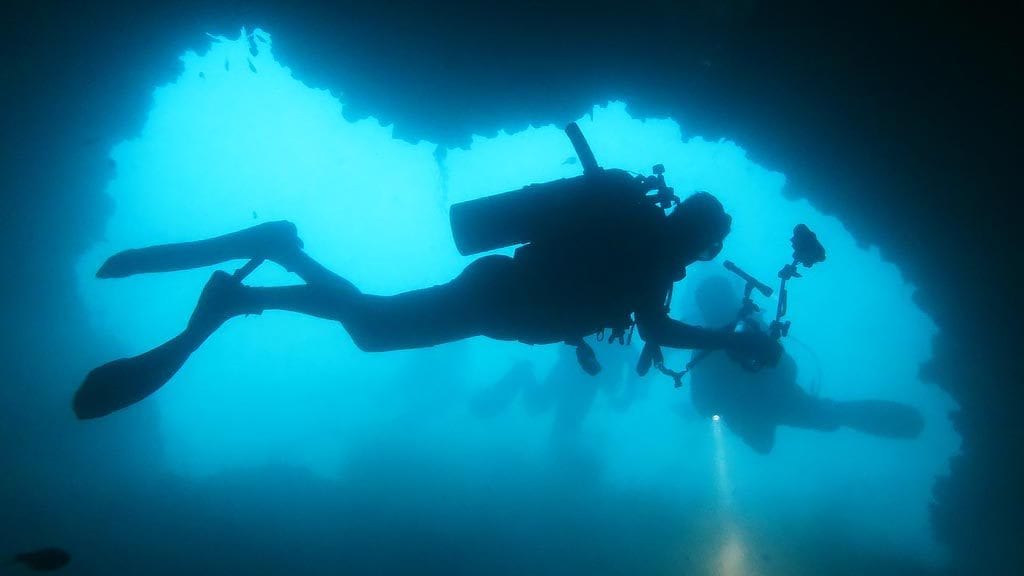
{"x": 807, "y": 250}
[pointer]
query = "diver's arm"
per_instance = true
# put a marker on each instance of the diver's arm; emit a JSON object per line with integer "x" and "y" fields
{"x": 656, "y": 327}
{"x": 665, "y": 331}
{"x": 661, "y": 330}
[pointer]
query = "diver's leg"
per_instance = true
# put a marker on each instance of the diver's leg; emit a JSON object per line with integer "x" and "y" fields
{"x": 275, "y": 241}
{"x": 475, "y": 303}
{"x": 802, "y": 410}
{"x": 875, "y": 417}
{"x": 484, "y": 300}
{"x": 881, "y": 418}
{"x": 312, "y": 272}
{"x": 270, "y": 240}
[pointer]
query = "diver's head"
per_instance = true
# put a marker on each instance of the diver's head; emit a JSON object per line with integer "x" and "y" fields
{"x": 717, "y": 300}
{"x": 698, "y": 226}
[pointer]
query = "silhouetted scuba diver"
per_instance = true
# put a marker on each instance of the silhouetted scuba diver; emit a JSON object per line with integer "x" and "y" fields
{"x": 563, "y": 389}
{"x": 565, "y": 393}
{"x": 597, "y": 253}
{"x": 752, "y": 404}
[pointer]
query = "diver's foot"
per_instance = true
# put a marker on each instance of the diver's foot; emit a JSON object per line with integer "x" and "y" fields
{"x": 120, "y": 265}
{"x": 222, "y": 298}
{"x": 277, "y": 241}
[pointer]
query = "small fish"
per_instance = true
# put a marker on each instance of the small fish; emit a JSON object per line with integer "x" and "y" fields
{"x": 570, "y": 160}
{"x": 44, "y": 559}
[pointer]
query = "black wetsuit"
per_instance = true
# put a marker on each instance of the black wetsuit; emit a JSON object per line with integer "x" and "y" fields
{"x": 547, "y": 292}
{"x": 611, "y": 263}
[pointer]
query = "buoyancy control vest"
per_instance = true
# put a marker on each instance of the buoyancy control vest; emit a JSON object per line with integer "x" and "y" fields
{"x": 562, "y": 216}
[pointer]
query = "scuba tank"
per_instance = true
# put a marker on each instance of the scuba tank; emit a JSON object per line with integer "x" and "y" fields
{"x": 556, "y": 209}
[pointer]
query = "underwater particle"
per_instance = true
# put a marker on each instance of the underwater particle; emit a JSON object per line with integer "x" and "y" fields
{"x": 44, "y": 559}
{"x": 716, "y": 418}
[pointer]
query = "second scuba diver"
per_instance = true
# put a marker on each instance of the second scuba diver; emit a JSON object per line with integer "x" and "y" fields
{"x": 753, "y": 404}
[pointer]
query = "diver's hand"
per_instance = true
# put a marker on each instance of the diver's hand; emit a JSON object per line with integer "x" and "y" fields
{"x": 755, "y": 348}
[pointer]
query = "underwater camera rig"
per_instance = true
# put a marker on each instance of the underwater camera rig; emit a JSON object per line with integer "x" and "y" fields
{"x": 807, "y": 251}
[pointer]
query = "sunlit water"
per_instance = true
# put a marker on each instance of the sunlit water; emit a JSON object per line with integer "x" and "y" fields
{"x": 237, "y": 140}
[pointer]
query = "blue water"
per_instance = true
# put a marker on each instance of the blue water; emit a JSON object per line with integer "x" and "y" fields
{"x": 284, "y": 449}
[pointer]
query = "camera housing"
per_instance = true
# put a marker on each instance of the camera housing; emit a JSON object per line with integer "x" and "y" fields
{"x": 807, "y": 250}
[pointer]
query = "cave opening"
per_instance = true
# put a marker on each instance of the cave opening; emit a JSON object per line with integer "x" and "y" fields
{"x": 236, "y": 140}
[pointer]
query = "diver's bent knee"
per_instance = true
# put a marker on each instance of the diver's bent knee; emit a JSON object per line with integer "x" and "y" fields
{"x": 366, "y": 335}
{"x": 367, "y": 343}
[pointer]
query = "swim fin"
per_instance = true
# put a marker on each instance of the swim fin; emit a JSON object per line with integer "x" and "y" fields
{"x": 265, "y": 240}
{"x": 123, "y": 382}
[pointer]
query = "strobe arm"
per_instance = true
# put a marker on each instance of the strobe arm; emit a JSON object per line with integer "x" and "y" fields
{"x": 807, "y": 251}
{"x": 752, "y": 282}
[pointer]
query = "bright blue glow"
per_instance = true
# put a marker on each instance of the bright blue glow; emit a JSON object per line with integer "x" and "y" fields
{"x": 225, "y": 147}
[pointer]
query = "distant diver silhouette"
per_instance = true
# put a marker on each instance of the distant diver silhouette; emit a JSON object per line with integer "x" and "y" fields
{"x": 753, "y": 404}
{"x": 598, "y": 252}
{"x": 563, "y": 389}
